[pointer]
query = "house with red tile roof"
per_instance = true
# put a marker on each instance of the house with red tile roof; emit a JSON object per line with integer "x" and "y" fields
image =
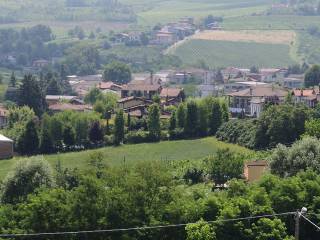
{"x": 141, "y": 90}
{"x": 60, "y": 107}
{"x": 309, "y": 97}
{"x": 110, "y": 87}
{"x": 251, "y": 101}
{"x": 172, "y": 96}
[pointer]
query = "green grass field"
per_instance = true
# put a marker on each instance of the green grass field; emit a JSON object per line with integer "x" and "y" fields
{"x": 242, "y": 54}
{"x": 151, "y": 12}
{"x": 271, "y": 22}
{"x": 173, "y": 150}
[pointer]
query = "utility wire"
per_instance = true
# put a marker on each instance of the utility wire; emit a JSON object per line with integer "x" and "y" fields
{"x": 139, "y": 228}
{"x": 308, "y": 220}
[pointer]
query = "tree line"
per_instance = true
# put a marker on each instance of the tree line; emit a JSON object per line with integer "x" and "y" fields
{"x": 143, "y": 194}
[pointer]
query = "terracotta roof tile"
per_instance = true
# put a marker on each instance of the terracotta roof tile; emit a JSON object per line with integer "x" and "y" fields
{"x": 69, "y": 106}
{"x": 260, "y": 91}
{"x": 170, "y": 92}
{"x": 108, "y": 85}
{"x": 141, "y": 87}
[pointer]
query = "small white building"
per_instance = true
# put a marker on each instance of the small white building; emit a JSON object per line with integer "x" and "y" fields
{"x": 256, "y": 106}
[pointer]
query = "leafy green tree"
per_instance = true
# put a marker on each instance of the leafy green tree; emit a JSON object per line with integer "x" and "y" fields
{"x": 28, "y": 142}
{"x": 144, "y": 39}
{"x": 303, "y": 155}
{"x": 46, "y": 142}
{"x": 312, "y": 77}
{"x": 27, "y": 176}
{"x": 200, "y": 231}
{"x": 156, "y": 99}
{"x": 215, "y": 119}
{"x": 192, "y": 119}
{"x": 96, "y": 132}
{"x": 93, "y": 95}
{"x": 270, "y": 229}
{"x": 12, "y": 94}
{"x": 280, "y": 124}
{"x": 82, "y": 59}
{"x": 225, "y": 112}
{"x": 69, "y": 136}
{"x": 117, "y": 72}
{"x": 119, "y": 128}
{"x": 54, "y": 87}
{"x": 313, "y": 128}
{"x": 224, "y": 166}
{"x": 30, "y": 94}
{"x": 181, "y": 116}
{"x": 154, "y": 122}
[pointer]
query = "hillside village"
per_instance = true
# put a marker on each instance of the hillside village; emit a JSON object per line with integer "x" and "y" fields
{"x": 162, "y": 120}
{"x": 245, "y": 90}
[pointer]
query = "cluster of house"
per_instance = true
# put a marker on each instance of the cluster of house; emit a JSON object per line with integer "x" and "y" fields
{"x": 134, "y": 97}
{"x": 249, "y": 92}
{"x": 168, "y": 34}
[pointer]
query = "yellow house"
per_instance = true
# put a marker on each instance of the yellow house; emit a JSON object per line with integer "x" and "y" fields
{"x": 253, "y": 171}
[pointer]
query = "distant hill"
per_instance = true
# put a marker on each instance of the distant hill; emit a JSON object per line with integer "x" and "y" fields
{"x": 64, "y": 10}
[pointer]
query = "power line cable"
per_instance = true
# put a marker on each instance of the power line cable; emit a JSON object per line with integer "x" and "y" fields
{"x": 139, "y": 228}
{"x": 312, "y": 223}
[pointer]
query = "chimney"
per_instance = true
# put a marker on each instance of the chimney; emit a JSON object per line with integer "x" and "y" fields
{"x": 151, "y": 77}
{"x": 301, "y": 93}
{"x": 251, "y": 91}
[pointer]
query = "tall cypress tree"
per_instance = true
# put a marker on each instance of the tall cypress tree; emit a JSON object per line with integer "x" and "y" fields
{"x": 28, "y": 142}
{"x": 69, "y": 136}
{"x": 154, "y": 122}
{"x": 13, "y": 80}
{"x": 203, "y": 121}
{"x": 54, "y": 87}
{"x": 96, "y": 132}
{"x": 215, "y": 120}
{"x": 225, "y": 112}
{"x": 192, "y": 120}
{"x": 46, "y": 141}
{"x": 181, "y": 115}
{"x": 119, "y": 128}
{"x": 173, "y": 121}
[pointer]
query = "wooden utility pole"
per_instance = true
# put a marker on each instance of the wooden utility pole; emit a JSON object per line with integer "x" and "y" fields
{"x": 297, "y": 225}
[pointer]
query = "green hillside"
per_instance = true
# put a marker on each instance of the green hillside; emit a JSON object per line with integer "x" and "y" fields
{"x": 173, "y": 150}
{"x": 151, "y": 12}
{"x": 227, "y": 53}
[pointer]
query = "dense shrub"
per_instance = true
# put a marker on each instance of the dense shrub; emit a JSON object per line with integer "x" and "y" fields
{"x": 27, "y": 176}
{"x": 238, "y": 131}
{"x": 139, "y": 136}
{"x": 176, "y": 134}
{"x": 164, "y": 136}
{"x": 303, "y": 155}
{"x": 108, "y": 140}
{"x": 281, "y": 124}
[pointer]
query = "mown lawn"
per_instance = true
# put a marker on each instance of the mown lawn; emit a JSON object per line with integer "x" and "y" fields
{"x": 226, "y": 53}
{"x": 173, "y": 150}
